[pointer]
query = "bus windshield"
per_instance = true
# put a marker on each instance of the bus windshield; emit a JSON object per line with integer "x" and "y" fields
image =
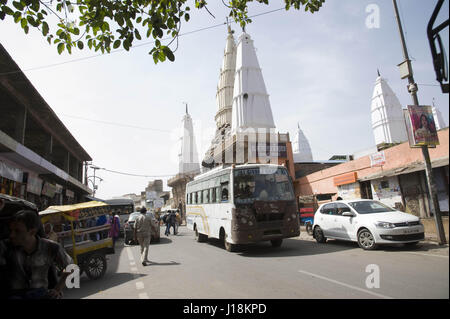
{"x": 261, "y": 184}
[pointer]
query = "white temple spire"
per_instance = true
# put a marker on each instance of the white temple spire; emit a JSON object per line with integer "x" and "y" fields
{"x": 188, "y": 157}
{"x": 301, "y": 148}
{"x": 388, "y": 123}
{"x": 224, "y": 96}
{"x": 251, "y": 106}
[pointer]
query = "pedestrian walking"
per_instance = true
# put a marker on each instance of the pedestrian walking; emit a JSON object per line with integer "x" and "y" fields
{"x": 166, "y": 222}
{"x": 114, "y": 230}
{"x": 142, "y": 233}
{"x": 172, "y": 220}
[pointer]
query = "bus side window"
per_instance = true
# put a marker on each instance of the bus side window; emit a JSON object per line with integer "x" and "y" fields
{"x": 206, "y": 196}
{"x": 224, "y": 191}
{"x": 212, "y": 195}
{"x": 195, "y": 198}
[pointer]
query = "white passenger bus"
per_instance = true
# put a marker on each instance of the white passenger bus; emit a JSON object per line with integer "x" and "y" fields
{"x": 242, "y": 204}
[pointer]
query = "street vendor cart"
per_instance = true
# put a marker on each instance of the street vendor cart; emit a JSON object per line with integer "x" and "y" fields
{"x": 75, "y": 227}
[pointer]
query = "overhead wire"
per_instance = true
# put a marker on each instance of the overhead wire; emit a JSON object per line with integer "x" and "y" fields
{"x": 134, "y": 46}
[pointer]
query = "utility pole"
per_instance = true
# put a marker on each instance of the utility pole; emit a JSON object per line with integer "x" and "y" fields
{"x": 95, "y": 168}
{"x": 412, "y": 89}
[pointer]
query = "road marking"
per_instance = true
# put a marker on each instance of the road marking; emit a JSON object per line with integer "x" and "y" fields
{"x": 130, "y": 254}
{"x": 431, "y": 255}
{"x": 143, "y": 296}
{"x": 346, "y": 285}
{"x": 132, "y": 263}
{"x": 134, "y": 269}
{"x": 140, "y": 285}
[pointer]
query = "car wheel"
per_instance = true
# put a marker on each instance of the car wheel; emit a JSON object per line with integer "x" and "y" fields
{"x": 276, "y": 242}
{"x": 366, "y": 240}
{"x": 318, "y": 235}
{"x": 309, "y": 229}
{"x": 95, "y": 266}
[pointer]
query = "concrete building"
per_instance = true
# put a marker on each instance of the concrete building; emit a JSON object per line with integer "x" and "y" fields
{"x": 388, "y": 123}
{"x": 40, "y": 160}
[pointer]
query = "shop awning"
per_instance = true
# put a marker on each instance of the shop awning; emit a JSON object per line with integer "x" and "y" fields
{"x": 406, "y": 169}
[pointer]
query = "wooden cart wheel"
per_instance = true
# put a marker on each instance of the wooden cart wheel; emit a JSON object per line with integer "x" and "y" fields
{"x": 95, "y": 266}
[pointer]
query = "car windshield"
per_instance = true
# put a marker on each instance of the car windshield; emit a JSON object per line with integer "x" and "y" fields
{"x": 370, "y": 207}
{"x": 262, "y": 183}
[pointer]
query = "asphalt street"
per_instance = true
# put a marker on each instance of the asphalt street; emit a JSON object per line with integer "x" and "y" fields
{"x": 181, "y": 268}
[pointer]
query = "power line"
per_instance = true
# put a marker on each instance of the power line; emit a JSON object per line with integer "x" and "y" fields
{"x": 118, "y": 124}
{"x": 135, "y": 46}
{"x": 135, "y": 175}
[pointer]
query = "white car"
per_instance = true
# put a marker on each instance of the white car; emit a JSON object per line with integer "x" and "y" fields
{"x": 367, "y": 222}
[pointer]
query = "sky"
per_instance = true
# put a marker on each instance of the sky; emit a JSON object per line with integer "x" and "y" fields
{"x": 319, "y": 70}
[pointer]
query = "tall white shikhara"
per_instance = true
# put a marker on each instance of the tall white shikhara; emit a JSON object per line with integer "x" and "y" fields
{"x": 251, "y": 106}
{"x": 188, "y": 156}
{"x": 388, "y": 123}
{"x": 301, "y": 148}
{"x": 224, "y": 96}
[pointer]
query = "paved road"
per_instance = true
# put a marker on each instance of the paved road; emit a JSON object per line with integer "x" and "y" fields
{"x": 301, "y": 268}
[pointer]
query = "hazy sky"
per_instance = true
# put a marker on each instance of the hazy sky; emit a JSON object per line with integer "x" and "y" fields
{"x": 319, "y": 71}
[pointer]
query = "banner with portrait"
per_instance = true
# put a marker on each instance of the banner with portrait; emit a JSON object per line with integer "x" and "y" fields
{"x": 423, "y": 128}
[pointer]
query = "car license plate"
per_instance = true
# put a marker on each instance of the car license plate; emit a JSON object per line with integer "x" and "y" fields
{"x": 410, "y": 231}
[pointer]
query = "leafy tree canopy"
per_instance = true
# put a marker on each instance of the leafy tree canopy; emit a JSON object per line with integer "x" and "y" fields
{"x": 109, "y": 24}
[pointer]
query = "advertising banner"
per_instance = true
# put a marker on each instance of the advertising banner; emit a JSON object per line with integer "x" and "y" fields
{"x": 34, "y": 185}
{"x": 422, "y": 126}
{"x": 377, "y": 159}
{"x": 49, "y": 190}
{"x": 11, "y": 173}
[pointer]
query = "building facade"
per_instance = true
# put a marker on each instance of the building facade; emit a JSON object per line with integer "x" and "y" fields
{"x": 40, "y": 160}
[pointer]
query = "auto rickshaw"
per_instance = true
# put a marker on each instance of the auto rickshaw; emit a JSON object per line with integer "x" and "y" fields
{"x": 74, "y": 226}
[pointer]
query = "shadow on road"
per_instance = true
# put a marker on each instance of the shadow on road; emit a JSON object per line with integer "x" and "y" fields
{"x": 292, "y": 247}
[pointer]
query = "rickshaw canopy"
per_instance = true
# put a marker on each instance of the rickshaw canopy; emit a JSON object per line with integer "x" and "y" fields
{"x": 76, "y": 211}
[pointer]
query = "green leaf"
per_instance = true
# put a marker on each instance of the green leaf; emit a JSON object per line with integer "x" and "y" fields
{"x": 137, "y": 35}
{"x": 187, "y": 17}
{"x": 116, "y": 44}
{"x": 168, "y": 52}
{"x": 18, "y": 5}
{"x": 80, "y": 45}
{"x": 44, "y": 28}
{"x": 23, "y": 23}
{"x": 17, "y": 16}
{"x": 60, "y": 48}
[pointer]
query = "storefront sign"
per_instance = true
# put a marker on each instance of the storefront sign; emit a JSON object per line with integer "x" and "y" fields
{"x": 34, "y": 185}
{"x": 377, "y": 159}
{"x": 70, "y": 194}
{"x": 59, "y": 189}
{"x": 11, "y": 173}
{"x": 344, "y": 179}
{"x": 422, "y": 124}
{"x": 49, "y": 190}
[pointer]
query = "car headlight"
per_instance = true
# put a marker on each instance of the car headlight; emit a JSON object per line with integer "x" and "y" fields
{"x": 384, "y": 225}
